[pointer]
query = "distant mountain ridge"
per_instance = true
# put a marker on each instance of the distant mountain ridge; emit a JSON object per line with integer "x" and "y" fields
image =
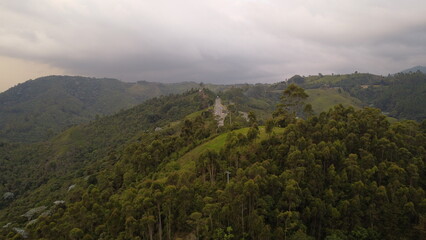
{"x": 40, "y": 108}
{"x": 415, "y": 69}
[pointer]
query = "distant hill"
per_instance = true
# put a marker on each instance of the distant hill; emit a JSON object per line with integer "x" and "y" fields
{"x": 415, "y": 69}
{"x": 38, "y": 109}
{"x": 402, "y": 95}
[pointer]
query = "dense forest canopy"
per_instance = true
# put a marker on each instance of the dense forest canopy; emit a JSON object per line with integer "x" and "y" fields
{"x": 342, "y": 174}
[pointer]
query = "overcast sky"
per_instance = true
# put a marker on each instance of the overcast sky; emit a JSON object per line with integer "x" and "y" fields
{"x": 218, "y": 41}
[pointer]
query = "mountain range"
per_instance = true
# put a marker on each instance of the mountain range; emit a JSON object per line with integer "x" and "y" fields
{"x": 164, "y": 169}
{"x": 39, "y": 109}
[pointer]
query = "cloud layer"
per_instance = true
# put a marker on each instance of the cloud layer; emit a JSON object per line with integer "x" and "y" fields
{"x": 221, "y": 41}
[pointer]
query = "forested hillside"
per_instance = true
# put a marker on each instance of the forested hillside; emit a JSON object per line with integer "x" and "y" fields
{"x": 400, "y": 96}
{"x": 341, "y": 174}
{"x": 42, "y": 172}
{"x": 41, "y": 108}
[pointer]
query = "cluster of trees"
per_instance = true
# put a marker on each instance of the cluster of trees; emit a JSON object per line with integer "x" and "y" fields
{"x": 344, "y": 174}
{"x": 52, "y": 166}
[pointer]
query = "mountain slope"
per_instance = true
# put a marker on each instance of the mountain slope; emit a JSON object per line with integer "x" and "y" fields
{"x": 402, "y": 96}
{"x": 38, "y": 109}
{"x": 42, "y": 172}
{"x": 345, "y": 174}
{"x": 324, "y": 99}
{"x": 415, "y": 69}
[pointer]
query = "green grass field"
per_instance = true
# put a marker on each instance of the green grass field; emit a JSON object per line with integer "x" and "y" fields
{"x": 325, "y": 79}
{"x": 324, "y": 99}
{"x": 186, "y": 163}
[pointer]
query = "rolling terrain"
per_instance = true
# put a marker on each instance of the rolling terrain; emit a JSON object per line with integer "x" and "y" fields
{"x": 43, "y": 170}
{"x": 38, "y": 109}
{"x": 164, "y": 169}
{"x": 400, "y": 96}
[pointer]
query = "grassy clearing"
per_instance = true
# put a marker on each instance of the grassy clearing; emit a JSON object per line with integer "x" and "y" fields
{"x": 326, "y": 79}
{"x": 186, "y": 163}
{"x": 391, "y": 119}
{"x": 324, "y": 99}
{"x": 217, "y": 143}
{"x": 70, "y": 137}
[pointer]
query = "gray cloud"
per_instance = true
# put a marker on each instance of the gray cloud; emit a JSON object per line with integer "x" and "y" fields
{"x": 219, "y": 41}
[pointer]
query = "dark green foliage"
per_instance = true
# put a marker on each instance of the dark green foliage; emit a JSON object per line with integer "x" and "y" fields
{"x": 39, "y": 109}
{"x": 291, "y": 106}
{"x": 296, "y": 79}
{"x": 345, "y": 174}
{"x": 401, "y": 96}
{"x": 84, "y": 150}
